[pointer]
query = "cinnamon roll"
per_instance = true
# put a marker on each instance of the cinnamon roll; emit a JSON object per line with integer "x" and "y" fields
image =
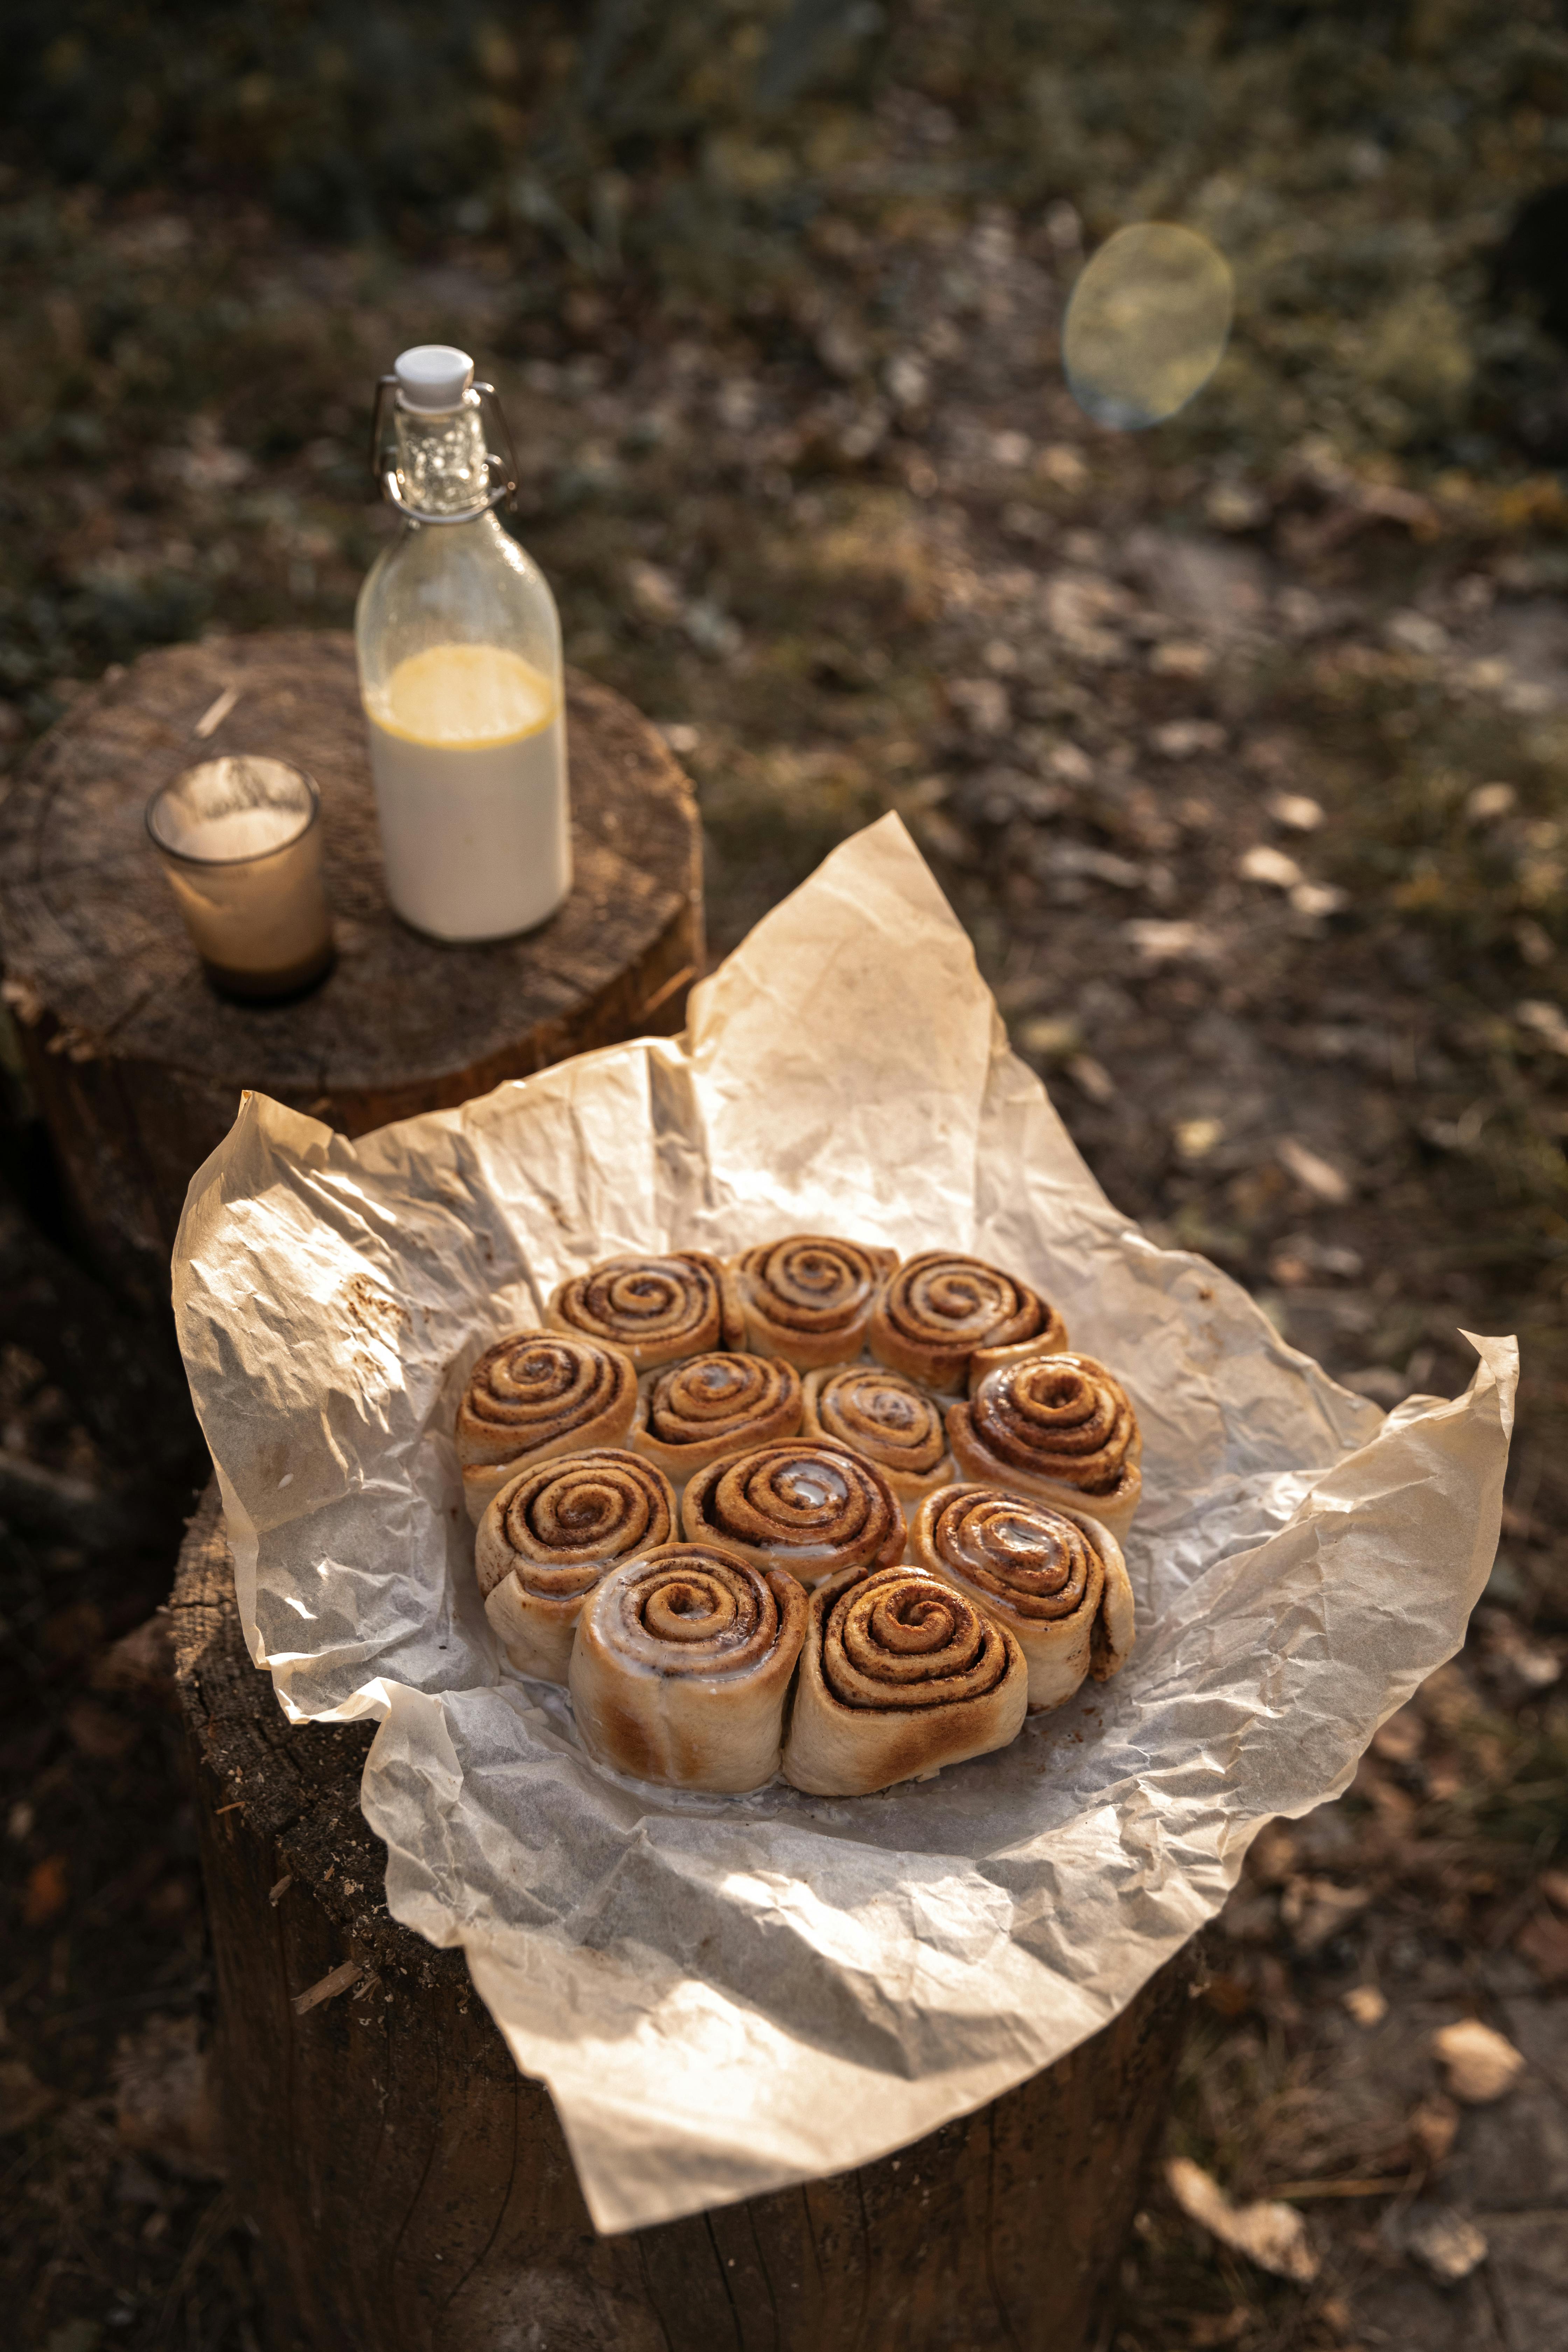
{"x": 681, "y": 1666}
{"x": 809, "y": 1298}
{"x": 550, "y": 1535}
{"x": 935, "y": 1313}
{"x": 814, "y": 1510}
{"x": 696, "y": 1412}
{"x": 655, "y": 1307}
{"x": 883, "y": 1417}
{"x": 1055, "y": 1578}
{"x": 900, "y": 1674}
{"x": 1058, "y": 1428}
{"x": 535, "y": 1394}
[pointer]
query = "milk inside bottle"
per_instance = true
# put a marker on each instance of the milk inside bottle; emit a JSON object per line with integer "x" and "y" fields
{"x": 459, "y": 662}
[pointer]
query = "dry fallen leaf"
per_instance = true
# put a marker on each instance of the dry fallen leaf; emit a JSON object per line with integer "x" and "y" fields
{"x": 1271, "y": 867}
{"x": 163, "y": 2104}
{"x": 1228, "y": 1996}
{"x": 1481, "y": 2064}
{"x": 1400, "y": 1739}
{"x": 1296, "y": 811}
{"x": 1315, "y": 1908}
{"x": 1208, "y": 2329}
{"x": 1272, "y": 1855}
{"x": 1534, "y": 944}
{"x": 1450, "y": 2246}
{"x": 654, "y": 592}
{"x": 1433, "y": 2127}
{"x": 1366, "y": 2005}
{"x": 1181, "y": 659}
{"x": 1157, "y": 942}
{"x": 1530, "y": 1663}
{"x": 1319, "y": 899}
{"x": 1273, "y": 2236}
{"x": 1197, "y": 1138}
{"x": 1183, "y": 739}
{"x": 1488, "y": 801}
{"x": 1091, "y": 1078}
{"x": 1049, "y": 1036}
{"x": 1544, "y": 1021}
{"x": 46, "y": 1891}
{"x": 1543, "y": 1941}
{"x": 1315, "y": 1174}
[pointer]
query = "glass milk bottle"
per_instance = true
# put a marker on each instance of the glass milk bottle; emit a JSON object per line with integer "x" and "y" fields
{"x": 459, "y": 668}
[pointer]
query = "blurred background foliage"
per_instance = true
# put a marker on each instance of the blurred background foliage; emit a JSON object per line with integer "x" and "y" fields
{"x": 1359, "y": 184}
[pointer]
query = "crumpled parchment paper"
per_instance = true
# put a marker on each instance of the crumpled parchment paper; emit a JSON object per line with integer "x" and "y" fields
{"x": 728, "y": 1994}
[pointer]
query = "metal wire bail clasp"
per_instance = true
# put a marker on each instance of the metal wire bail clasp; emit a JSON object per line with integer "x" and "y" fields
{"x": 502, "y": 470}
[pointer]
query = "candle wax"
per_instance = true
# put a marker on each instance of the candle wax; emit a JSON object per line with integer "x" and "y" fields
{"x": 235, "y": 832}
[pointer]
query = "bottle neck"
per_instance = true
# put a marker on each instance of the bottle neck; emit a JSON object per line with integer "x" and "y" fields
{"x": 441, "y": 459}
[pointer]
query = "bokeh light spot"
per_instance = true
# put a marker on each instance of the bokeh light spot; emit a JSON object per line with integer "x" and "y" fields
{"x": 1147, "y": 324}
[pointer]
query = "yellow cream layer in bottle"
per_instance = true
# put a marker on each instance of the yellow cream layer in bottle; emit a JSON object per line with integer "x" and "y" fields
{"x": 468, "y": 747}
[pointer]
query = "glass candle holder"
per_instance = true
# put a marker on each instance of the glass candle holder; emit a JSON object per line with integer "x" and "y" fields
{"x": 240, "y": 841}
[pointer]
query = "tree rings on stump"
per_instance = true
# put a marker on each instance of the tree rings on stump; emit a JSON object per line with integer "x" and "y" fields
{"x": 138, "y": 1065}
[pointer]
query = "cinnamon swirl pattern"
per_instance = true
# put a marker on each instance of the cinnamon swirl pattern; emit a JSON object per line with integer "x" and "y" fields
{"x": 696, "y": 1412}
{"x": 883, "y": 1417}
{"x": 809, "y": 1298}
{"x": 900, "y": 1674}
{"x": 655, "y": 1307}
{"x": 534, "y": 1395}
{"x": 681, "y": 1665}
{"x": 937, "y": 1313}
{"x": 1054, "y": 1578}
{"x": 550, "y": 1535}
{"x": 814, "y": 1510}
{"x": 1059, "y": 1428}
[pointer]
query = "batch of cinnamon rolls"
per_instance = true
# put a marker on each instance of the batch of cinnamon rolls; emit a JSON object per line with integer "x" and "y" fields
{"x": 811, "y": 1508}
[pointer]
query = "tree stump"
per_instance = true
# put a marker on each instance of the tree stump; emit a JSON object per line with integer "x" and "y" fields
{"x": 412, "y": 2192}
{"x": 137, "y": 1065}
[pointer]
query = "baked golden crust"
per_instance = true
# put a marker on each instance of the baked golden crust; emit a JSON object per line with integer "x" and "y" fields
{"x": 656, "y": 1306}
{"x": 885, "y": 1417}
{"x": 937, "y": 1311}
{"x": 808, "y": 1298}
{"x": 1058, "y": 1427}
{"x": 535, "y": 1394}
{"x": 1053, "y": 1577}
{"x": 696, "y": 1412}
{"x": 813, "y": 1509}
{"x": 550, "y": 1534}
{"x": 900, "y": 1674}
{"x": 681, "y": 1665}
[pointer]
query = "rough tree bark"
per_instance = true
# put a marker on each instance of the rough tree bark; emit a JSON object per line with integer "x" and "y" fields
{"x": 414, "y": 2193}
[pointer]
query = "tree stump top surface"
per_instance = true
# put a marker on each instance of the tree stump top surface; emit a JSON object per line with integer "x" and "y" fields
{"x": 92, "y": 935}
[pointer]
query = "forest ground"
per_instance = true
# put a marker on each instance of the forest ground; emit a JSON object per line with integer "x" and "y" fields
{"x": 1241, "y": 748}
